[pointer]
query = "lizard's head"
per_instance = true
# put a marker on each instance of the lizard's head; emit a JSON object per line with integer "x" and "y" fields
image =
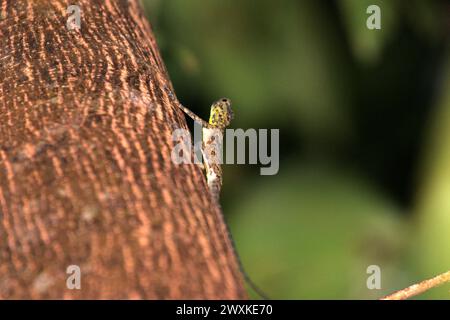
{"x": 221, "y": 113}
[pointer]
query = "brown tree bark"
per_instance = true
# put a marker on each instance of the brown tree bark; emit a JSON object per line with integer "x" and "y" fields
{"x": 86, "y": 176}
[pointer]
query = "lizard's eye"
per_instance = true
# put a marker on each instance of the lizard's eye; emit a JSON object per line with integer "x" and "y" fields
{"x": 225, "y": 101}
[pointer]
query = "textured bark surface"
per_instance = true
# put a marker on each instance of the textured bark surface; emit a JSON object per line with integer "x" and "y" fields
{"x": 86, "y": 176}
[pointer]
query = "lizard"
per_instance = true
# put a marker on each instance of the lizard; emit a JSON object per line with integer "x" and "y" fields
{"x": 221, "y": 115}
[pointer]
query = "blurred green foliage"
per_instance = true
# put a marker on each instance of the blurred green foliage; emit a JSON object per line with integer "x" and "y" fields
{"x": 363, "y": 117}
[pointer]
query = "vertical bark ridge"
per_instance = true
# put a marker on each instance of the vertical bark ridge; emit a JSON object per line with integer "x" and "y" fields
{"x": 86, "y": 176}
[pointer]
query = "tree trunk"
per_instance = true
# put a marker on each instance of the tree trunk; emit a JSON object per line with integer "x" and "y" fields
{"x": 86, "y": 176}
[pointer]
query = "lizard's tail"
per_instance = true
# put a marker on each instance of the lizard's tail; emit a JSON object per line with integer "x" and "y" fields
{"x": 247, "y": 278}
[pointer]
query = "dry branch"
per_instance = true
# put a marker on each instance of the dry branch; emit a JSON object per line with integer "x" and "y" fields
{"x": 419, "y": 288}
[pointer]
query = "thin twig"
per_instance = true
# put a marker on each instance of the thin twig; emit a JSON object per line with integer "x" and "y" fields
{"x": 419, "y": 287}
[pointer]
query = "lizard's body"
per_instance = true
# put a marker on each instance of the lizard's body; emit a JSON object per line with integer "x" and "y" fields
{"x": 220, "y": 117}
{"x": 211, "y": 144}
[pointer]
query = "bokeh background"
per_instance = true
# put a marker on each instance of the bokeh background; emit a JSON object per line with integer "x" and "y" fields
{"x": 364, "y": 119}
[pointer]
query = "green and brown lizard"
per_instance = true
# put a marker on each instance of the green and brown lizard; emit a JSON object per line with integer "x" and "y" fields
{"x": 221, "y": 116}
